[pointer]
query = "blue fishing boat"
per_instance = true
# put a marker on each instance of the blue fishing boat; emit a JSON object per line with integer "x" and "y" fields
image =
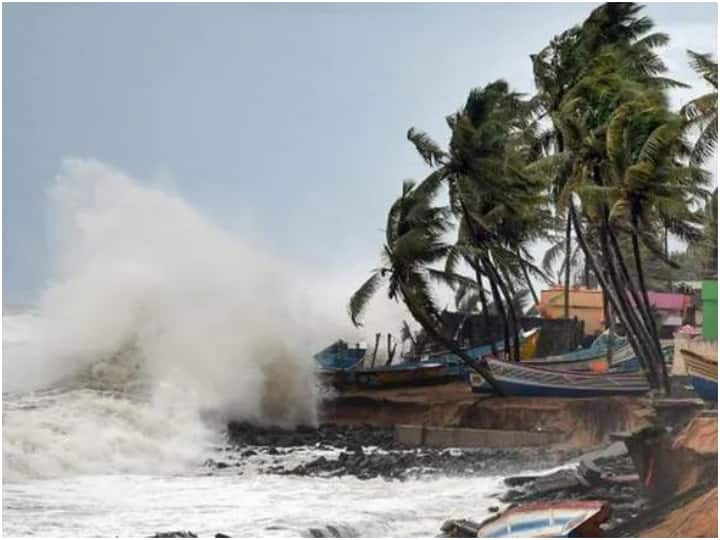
{"x": 340, "y": 355}
{"x": 703, "y": 371}
{"x": 405, "y": 374}
{"x": 548, "y": 519}
{"x": 459, "y": 370}
{"x": 519, "y": 379}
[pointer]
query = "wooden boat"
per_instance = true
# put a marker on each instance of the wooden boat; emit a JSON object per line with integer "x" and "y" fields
{"x": 459, "y": 370}
{"x": 548, "y": 519}
{"x": 340, "y": 355}
{"x": 594, "y": 358}
{"x": 405, "y": 374}
{"x": 703, "y": 371}
{"x": 519, "y": 379}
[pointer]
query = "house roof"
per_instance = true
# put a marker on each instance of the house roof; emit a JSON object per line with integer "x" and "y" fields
{"x": 669, "y": 301}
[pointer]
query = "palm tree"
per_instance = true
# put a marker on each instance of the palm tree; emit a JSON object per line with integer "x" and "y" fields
{"x": 414, "y": 240}
{"x": 701, "y": 112}
{"x": 496, "y": 205}
{"x": 562, "y": 64}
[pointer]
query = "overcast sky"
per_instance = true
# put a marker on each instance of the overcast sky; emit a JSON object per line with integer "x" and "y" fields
{"x": 289, "y": 120}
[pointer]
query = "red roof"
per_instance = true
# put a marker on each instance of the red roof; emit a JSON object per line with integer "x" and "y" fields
{"x": 669, "y": 301}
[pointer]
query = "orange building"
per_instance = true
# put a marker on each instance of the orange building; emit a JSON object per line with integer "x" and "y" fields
{"x": 585, "y": 304}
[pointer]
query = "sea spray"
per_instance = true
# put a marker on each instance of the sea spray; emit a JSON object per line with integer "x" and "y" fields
{"x": 155, "y": 319}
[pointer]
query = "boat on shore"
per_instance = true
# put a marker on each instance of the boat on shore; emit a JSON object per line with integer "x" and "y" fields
{"x": 703, "y": 372}
{"x": 406, "y": 374}
{"x": 548, "y": 519}
{"x": 459, "y": 370}
{"x": 340, "y": 355}
{"x": 519, "y": 379}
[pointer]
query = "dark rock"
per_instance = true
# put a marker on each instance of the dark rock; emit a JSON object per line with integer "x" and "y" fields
{"x": 221, "y": 535}
{"x": 174, "y": 534}
{"x": 493, "y": 509}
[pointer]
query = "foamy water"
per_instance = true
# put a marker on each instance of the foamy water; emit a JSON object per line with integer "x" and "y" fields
{"x": 155, "y": 323}
{"x": 91, "y": 462}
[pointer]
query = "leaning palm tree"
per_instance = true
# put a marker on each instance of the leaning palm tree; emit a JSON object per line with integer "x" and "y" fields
{"x": 413, "y": 242}
{"x": 496, "y": 205}
{"x": 701, "y": 112}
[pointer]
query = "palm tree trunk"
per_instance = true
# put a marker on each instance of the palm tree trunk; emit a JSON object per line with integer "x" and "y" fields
{"x": 633, "y": 324}
{"x": 604, "y": 284}
{"x": 586, "y": 274}
{"x": 667, "y": 256}
{"x": 484, "y": 304}
{"x": 642, "y": 304}
{"x": 611, "y": 332}
{"x": 498, "y": 303}
{"x": 651, "y": 318}
{"x": 428, "y": 325}
{"x": 527, "y": 279}
{"x": 377, "y": 342}
{"x": 568, "y": 258}
{"x": 512, "y": 318}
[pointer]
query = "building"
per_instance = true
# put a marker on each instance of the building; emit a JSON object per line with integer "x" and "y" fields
{"x": 672, "y": 309}
{"x": 710, "y": 313}
{"x": 585, "y": 304}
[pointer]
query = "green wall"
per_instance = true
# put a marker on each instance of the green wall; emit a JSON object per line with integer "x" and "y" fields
{"x": 710, "y": 311}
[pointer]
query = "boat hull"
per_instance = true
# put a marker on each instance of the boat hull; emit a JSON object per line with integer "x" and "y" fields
{"x": 705, "y": 388}
{"x": 528, "y": 381}
{"x": 703, "y": 372}
{"x": 414, "y": 375}
{"x": 558, "y": 519}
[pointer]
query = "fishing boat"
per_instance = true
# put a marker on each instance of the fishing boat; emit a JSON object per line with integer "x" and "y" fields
{"x": 594, "y": 358}
{"x": 459, "y": 370}
{"x": 405, "y": 374}
{"x": 340, "y": 355}
{"x": 336, "y": 362}
{"x": 703, "y": 371}
{"x": 548, "y": 519}
{"x": 519, "y": 379}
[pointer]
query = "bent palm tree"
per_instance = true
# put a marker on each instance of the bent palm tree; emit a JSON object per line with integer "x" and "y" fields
{"x": 413, "y": 242}
{"x": 701, "y": 112}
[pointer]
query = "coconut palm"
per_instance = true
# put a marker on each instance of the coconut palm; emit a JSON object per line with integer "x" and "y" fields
{"x": 413, "y": 242}
{"x": 498, "y": 207}
{"x": 701, "y": 112}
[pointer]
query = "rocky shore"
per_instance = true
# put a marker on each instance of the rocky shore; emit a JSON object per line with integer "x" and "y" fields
{"x": 366, "y": 451}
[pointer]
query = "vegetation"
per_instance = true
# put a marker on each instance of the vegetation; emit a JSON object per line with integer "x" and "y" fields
{"x": 596, "y": 159}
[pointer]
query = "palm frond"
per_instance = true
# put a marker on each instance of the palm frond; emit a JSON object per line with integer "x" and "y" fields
{"x": 428, "y": 149}
{"x": 360, "y": 299}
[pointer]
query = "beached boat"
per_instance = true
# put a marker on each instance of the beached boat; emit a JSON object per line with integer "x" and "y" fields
{"x": 548, "y": 519}
{"x": 519, "y": 379}
{"x": 459, "y": 370}
{"x": 703, "y": 371}
{"x": 594, "y": 358}
{"x": 405, "y": 374}
{"x": 340, "y": 355}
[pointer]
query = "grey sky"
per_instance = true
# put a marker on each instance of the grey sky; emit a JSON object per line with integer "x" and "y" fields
{"x": 288, "y": 120}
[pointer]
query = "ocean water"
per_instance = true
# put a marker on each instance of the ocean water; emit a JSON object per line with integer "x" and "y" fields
{"x": 156, "y": 327}
{"x": 85, "y": 457}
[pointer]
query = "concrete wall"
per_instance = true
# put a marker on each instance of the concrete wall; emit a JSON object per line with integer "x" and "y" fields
{"x": 439, "y": 437}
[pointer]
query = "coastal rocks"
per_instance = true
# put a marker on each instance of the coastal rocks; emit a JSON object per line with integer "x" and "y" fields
{"x": 325, "y": 436}
{"x": 459, "y": 528}
{"x": 367, "y": 452}
{"x": 183, "y": 534}
{"x": 333, "y": 531}
{"x": 607, "y": 477}
{"x": 174, "y": 534}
